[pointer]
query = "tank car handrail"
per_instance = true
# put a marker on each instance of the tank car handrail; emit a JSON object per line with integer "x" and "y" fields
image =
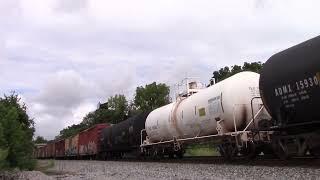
{"x": 255, "y": 116}
{"x": 194, "y": 138}
{"x": 141, "y": 135}
{"x": 257, "y": 97}
{"x": 185, "y": 139}
{"x": 252, "y": 120}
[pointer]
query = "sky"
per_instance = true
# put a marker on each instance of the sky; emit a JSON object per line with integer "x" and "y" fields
{"x": 64, "y": 56}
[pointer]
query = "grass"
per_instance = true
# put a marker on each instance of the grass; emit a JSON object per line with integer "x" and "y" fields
{"x": 43, "y": 166}
{"x": 201, "y": 150}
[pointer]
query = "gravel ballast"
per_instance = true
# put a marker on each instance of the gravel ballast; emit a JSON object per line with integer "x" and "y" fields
{"x": 69, "y": 170}
{"x": 24, "y": 175}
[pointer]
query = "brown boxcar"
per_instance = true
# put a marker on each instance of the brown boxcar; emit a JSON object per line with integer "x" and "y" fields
{"x": 50, "y": 150}
{"x": 67, "y": 142}
{"x": 67, "y": 145}
{"x": 75, "y": 145}
{"x": 89, "y": 140}
{"x": 71, "y": 145}
{"x": 60, "y": 148}
{"x": 39, "y": 151}
{"x": 45, "y": 151}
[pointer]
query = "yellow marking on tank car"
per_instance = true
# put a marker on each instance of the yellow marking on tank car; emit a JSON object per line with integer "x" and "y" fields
{"x": 202, "y": 112}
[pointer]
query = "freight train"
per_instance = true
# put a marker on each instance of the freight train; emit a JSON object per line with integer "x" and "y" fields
{"x": 245, "y": 115}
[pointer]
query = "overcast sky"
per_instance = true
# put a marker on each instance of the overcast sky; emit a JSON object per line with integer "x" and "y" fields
{"x": 64, "y": 56}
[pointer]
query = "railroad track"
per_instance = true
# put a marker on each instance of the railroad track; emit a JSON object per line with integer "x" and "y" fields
{"x": 308, "y": 162}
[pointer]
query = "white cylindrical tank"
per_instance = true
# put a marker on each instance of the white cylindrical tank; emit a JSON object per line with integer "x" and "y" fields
{"x": 198, "y": 114}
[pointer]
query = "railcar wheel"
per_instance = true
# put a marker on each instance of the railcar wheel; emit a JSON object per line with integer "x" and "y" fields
{"x": 268, "y": 151}
{"x": 155, "y": 154}
{"x": 281, "y": 149}
{"x": 171, "y": 155}
{"x": 179, "y": 154}
{"x": 315, "y": 151}
{"x": 228, "y": 151}
{"x": 250, "y": 151}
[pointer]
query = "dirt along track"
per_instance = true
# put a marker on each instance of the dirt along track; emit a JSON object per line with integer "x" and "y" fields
{"x": 187, "y": 168}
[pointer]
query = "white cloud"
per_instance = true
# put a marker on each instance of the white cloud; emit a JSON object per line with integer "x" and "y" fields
{"x": 65, "y": 56}
{"x": 65, "y": 88}
{"x": 81, "y": 111}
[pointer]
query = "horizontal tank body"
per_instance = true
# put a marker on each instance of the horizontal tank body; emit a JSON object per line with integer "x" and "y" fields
{"x": 289, "y": 84}
{"x": 124, "y": 136}
{"x": 210, "y": 111}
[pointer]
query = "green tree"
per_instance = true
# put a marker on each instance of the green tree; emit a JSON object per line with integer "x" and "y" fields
{"x": 235, "y": 69}
{"x": 100, "y": 115}
{"x": 118, "y": 105}
{"x": 14, "y": 101}
{"x": 151, "y": 96}
{"x": 17, "y": 132}
{"x": 132, "y": 109}
{"x": 254, "y": 67}
{"x": 225, "y": 72}
{"x": 3, "y": 148}
{"x": 113, "y": 111}
{"x": 40, "y": 140}
{"x": 117, "y": 108}
{"x": 71, "y": 130}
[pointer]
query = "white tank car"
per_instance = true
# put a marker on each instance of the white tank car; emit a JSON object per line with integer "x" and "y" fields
{"x": 210, "y": 111}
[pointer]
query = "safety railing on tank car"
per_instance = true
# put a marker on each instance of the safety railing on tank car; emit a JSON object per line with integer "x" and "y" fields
{"x": 252, "y": 113}
{"x": 251, "y": 122}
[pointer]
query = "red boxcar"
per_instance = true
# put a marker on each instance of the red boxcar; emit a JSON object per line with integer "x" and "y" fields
{"x": 89, "y": 140}
{"x": 59, "y": 148}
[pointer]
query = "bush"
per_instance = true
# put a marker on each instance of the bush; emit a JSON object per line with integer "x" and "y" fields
{"x": 16, "y": 132}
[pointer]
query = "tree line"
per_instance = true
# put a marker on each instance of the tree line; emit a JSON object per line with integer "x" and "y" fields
{"x": 226, "y": 72}
{"x": 117, "y": 108}
{"x": 147, "y": 98}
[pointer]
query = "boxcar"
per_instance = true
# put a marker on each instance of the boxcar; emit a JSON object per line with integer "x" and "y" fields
{"x": 89, "y": 141}
{"x": 67, "y": 143}
{"x": 71, "y": 146}
{"x": 50, "y": 150}
{"x": 45, "y": 151}
{"x": 41, "y": 152}
{"x": 60, "y": 148}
